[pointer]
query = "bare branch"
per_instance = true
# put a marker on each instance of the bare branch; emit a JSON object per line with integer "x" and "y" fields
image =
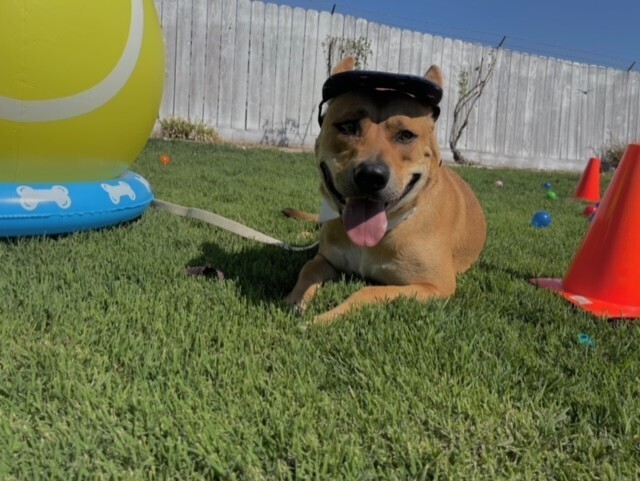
{"x": 478, "y": 77}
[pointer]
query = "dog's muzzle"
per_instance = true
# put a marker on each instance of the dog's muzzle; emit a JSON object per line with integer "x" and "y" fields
{"x": 371, "y": 177}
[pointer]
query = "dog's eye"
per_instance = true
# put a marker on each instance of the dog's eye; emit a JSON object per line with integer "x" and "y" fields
{"x": 348, "y": 127}
{"x": 405, "y": 136}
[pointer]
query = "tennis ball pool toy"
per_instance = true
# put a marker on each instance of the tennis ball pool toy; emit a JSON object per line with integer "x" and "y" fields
{"x": 80, "y": 90}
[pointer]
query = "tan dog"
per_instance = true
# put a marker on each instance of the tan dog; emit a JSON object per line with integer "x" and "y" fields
{"x": 406, "y": 222}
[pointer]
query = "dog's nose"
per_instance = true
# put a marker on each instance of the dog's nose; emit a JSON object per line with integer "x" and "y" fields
{"x": 371, "y": 177}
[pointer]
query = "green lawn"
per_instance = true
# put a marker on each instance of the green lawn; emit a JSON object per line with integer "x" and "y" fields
{"x": 116, "y": 365}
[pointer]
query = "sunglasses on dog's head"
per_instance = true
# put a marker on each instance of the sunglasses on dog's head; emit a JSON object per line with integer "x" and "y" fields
{"x": 422, "y": 89}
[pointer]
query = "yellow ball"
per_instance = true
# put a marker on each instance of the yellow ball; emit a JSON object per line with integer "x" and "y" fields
{"x": 80, "y": 88}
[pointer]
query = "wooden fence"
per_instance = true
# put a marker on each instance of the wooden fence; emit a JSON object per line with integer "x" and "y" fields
{"x": 254, "y": 72}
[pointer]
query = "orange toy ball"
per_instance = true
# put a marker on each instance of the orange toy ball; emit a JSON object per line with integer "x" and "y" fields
{"x": 165, "y": 159}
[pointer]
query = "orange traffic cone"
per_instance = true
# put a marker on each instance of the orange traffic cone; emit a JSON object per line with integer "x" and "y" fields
{"x": 604, "y": 277}
{"x": 589, "y": 186}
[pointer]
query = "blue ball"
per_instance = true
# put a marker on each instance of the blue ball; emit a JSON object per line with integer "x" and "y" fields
{"x": 541, "y": 219}
{"x": 547, "y": 185}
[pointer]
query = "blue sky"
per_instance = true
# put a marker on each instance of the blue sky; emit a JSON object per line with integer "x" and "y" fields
{"x": 603, "y": 32}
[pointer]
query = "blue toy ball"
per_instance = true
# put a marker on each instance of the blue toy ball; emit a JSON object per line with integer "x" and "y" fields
{"x": 541, "y": 219}
{"x": 547, "y": 185}
{"x": 585, "y": 340}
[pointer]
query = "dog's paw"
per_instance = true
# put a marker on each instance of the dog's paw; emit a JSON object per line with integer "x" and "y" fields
{"x": 297, "y": 306}
{"x": 318, "y": 321}
{"x": 325, "y": 318}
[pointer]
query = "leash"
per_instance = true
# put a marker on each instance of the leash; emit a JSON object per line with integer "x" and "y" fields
{"x": 227, "y": 224}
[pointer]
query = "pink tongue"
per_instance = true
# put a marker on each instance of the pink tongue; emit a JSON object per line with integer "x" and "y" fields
{"x": 365, "y": 221}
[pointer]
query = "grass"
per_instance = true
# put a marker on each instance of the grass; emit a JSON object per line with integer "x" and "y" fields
{"x": 115, "y": 365}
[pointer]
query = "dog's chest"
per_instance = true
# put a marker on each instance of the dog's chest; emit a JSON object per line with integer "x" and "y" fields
{"x": 361, "y": 261}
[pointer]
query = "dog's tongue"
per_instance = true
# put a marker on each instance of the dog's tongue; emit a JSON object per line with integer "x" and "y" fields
{"x": 365, "y": 221}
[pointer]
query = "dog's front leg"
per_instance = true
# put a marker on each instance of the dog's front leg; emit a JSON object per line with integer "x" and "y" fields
{"x": 314, "y": 273}
{"x": 375, "y": 294}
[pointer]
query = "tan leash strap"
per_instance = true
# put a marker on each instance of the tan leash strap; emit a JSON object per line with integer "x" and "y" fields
{"x": 226, "y": 224}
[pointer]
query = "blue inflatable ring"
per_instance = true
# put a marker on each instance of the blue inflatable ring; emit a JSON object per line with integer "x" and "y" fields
{"x": 60, "y": 208}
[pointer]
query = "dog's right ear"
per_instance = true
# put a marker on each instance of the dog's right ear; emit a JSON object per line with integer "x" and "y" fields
{"x": 346, "y": 65}
{"x": 435, "y": 75}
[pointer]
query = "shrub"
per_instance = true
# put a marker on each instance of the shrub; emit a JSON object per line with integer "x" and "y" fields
{"x": 611, "y": 155}
{"x": 181, "y": 129}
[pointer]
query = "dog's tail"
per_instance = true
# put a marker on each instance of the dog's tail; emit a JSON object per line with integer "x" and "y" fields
{"x": 300, "y": 215}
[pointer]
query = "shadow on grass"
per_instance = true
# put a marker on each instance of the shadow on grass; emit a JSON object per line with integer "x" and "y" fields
{"x": 263, "y": 273}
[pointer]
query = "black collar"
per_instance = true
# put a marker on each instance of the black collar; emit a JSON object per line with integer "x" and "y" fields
{"x": 422, "y": 89}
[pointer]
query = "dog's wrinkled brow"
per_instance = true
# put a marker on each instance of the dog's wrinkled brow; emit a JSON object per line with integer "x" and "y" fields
{"x": 380, "y": 107}
{"x": 420, "y": 88}
{"x": 356, "y": 114}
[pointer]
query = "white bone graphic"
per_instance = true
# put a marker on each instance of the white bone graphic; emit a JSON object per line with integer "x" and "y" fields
{"x": 30, "y": 198}
{"x": 143, "y": 181}
{"x": 117, "y": 192}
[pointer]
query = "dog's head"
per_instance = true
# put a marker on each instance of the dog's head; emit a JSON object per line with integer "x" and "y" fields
{"x": 377, "y": 150}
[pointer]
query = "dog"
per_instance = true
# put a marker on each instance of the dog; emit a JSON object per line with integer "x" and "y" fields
{"x": 392, "y": 213}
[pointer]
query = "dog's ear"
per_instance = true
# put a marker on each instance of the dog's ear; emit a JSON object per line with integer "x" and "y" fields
{"x": 346, "y": 65}
{"x": 435, "y": 75}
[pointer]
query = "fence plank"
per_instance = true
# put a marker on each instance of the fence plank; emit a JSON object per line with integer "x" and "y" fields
{"x": 395, "y": 38}
{"x": 256, "y": 59}
{"x": 292, "y": 119}
{"x": 487, "y": 106}
{"x": 416, "y": 67}
{"x": 373, "y": 30}
{"x": 589, "y": 91}
{"x": 540, "y": 110}
{"x": 463, "y": 67}
{"x": 227, "y": 55}
{"x": 620, "y": 106}
{"x": 382, "y": 50}
{"x": 307, "y": 97}
{"x": 565, "y": 108}
{"x": 512, "y": 109}
{"x": 337, "y": 31}
{"x": 427, "y": 52}
{"x": 521, "y": 105}
{"x": 349, "y": 30}
{"x": 404, "y": 60}
{"x": 601, "y": 100}
{"x": 276, "y": 131}
{"x": 361, "y": 28}
{"x": 448, "y": 101}
{"x": 504, "y": 63}
{"x": 212, "y": 63}
{"x": 633, "y": 121}
{"x": 269, "y": 67}
{"x": 197, "y": 81}
{"x": 321, "y": 72}
{"x": 183, "y": 59}
{"x": 575, "y": 112}
{"x": 241, "y": 65}
{"x": 609, "y": 106}
{"x": 169, "y": 27}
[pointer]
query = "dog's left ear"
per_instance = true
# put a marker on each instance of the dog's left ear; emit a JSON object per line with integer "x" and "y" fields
{"x": 435, "y": 75}
{"x": 345, "y": 65}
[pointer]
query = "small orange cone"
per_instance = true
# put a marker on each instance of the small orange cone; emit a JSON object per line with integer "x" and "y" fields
{"x": 589, "y": 185}
{"x": 604, "y": 277}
